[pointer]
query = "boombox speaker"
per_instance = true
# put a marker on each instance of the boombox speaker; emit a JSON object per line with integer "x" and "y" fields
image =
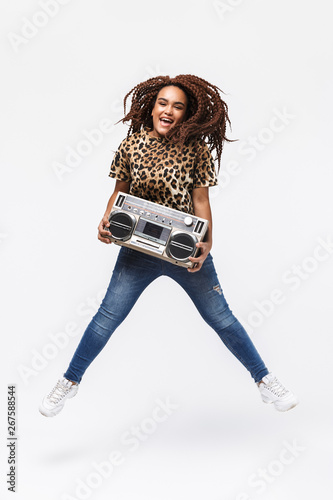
{"x": 155, "y": 229}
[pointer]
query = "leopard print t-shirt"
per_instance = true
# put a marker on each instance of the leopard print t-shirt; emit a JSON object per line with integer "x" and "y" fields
{"x": 162, "y": 171}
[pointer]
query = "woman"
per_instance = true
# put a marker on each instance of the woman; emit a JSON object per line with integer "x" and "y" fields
{"x": 175, "y": 124}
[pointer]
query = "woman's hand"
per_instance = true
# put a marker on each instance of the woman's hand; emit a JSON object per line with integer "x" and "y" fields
{"x": 205, "y": 248}
{"x": 200, "y": 198}
{"x": 103, "y": 233}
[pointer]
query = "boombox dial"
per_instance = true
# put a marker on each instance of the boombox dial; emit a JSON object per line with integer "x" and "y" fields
{"x": 121, "y": 225}
{"x": 181, "y": 246}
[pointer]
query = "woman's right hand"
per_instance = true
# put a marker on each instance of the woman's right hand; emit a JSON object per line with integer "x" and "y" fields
{"x": 103, "y": 232}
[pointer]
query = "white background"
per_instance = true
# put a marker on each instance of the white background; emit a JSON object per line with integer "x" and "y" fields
{"x": 271, "y": 213}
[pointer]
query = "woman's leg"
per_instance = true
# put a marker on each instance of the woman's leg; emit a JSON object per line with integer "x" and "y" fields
{"x": 204, "y": 289}
{"x": 133, "y": 272}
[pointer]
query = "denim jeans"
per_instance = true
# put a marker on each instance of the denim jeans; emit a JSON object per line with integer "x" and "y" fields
{"x": 133, "y": 272}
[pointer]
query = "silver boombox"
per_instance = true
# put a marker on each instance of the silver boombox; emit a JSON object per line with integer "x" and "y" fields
{"x": 155, "y": 229}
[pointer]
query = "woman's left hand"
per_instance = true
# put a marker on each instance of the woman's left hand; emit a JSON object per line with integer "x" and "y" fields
{"x": 198, "y": 261}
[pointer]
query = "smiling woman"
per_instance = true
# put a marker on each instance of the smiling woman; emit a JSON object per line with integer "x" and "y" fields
{"x": 169, "y": 110}
{"x": 175, "y": 124}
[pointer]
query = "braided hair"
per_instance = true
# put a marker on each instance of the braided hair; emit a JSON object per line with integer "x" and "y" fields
{"x": 206, "y": 114}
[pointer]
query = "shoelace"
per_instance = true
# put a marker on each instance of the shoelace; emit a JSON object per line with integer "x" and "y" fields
{"x": 58, "y": 392}
{"x": 277, "y": 388}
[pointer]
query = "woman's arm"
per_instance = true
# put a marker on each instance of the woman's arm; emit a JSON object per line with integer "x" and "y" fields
{"x": 102, "y": 233}
{"x": 200, "y": 199}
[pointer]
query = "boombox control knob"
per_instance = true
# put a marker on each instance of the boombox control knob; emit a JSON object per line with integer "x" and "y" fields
{"x": 188, "y": 221}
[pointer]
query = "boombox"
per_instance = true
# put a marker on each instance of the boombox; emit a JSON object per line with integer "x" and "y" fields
{"x": 155, "y": 229}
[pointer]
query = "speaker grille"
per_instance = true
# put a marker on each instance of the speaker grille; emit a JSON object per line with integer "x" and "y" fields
{"x": 121, "y": 226}
{"x": 181, "y": 246}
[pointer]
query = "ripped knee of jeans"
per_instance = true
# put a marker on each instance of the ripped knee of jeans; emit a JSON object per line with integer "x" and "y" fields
{"x": 218, "y": 289}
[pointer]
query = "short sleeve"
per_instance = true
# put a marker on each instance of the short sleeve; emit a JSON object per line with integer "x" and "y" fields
{"x": 204, "y": 173}
{"x": 120, "y": 166}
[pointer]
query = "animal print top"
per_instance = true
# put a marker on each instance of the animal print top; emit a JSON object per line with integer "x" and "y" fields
{"x": 161, "y": 171}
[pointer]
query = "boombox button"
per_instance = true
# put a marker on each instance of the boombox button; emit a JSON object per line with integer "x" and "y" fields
{"x": 142, "y": 212}
{"x": 188, "y": 221}
{"x": 147, "y": 214}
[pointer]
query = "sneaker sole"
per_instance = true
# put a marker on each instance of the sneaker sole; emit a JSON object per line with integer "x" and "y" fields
{"x": 49, "y": 413}
{"x": 280, "y": 407}
{"x": 286, "y": 408}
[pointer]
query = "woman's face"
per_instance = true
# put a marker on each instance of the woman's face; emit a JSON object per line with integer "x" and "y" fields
{"x": 169, "y": 109}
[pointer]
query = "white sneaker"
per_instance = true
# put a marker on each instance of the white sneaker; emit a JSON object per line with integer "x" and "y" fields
{"x": 54, "y": 402}
{"x": 272, "y": 391}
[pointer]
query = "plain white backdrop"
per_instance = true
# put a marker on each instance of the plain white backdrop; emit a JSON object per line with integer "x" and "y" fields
{"x": 66, "y": 66}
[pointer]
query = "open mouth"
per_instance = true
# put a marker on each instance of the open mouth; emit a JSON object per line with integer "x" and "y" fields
{"x": 166, "y": 122}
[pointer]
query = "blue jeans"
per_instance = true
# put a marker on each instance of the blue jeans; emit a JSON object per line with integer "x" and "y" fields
{"x": 133, "y": 272}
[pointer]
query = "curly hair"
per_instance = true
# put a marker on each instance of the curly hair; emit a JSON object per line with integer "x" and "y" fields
{"x": 206, "y": 113}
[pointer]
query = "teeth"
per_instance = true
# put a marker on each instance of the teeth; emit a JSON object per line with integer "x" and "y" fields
{"x": 166, "y": 120}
